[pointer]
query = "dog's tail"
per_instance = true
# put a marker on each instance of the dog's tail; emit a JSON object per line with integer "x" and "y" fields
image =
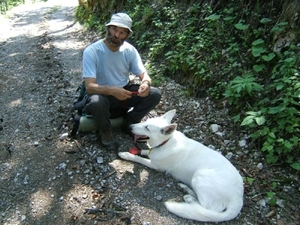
{"x": 195, "y": 211}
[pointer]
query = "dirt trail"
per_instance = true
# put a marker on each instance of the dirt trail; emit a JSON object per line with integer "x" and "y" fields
{"x": 46, "y": 180}
{"x": 35, "y": 81}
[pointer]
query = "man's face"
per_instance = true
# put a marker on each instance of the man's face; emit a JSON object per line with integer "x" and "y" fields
{"x": 116, "y": 35}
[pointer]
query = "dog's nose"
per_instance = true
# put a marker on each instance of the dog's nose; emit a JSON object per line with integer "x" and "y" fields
{"x": 130, "y": 127}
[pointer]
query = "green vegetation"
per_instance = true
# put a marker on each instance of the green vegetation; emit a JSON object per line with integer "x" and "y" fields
{"x": 243, "y": 52}
{"x": 5, "y": 5}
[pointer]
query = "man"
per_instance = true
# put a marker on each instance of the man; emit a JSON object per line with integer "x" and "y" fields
{"x": 107, "y": 65}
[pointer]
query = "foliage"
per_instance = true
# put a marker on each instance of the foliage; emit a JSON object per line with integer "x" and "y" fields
{"x": 241, "y": 88}
{"x": 6, "y": 5}
{"x": 276, "y": 122}
{"x": 224, "y": 49}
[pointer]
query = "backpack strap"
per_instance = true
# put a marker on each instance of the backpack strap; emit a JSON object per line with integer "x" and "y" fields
{"x": 76, "y": 122}
{"x": 79, "y": 107}
{"x": 80, "y": 104}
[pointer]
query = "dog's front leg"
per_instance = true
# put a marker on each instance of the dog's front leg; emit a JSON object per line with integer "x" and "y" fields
{"x": 138, "y": 159}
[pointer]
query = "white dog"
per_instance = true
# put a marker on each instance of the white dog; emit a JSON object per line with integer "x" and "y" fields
{"x": 217, "y": 187}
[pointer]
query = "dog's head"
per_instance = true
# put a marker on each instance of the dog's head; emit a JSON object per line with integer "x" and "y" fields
{"x": 157, "y": 129}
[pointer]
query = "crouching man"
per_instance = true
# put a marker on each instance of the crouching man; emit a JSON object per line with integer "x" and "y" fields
{"x": 107, "y": 65}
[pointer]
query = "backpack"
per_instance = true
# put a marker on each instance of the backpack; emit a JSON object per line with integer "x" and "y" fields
{"x": 79, "y": 106}
{"x": 82, "y": 98}
{"x": 84, "y": 122}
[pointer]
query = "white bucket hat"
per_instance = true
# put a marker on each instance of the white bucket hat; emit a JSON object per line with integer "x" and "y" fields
{"x": 121, "y": 20}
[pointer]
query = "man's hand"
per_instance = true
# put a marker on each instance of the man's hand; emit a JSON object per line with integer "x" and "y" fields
{"x": 144, "y": 90}
{"x": 121, "y": 94}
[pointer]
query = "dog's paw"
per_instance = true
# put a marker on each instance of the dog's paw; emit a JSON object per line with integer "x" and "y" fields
{"x": 126, "y": 155}
{"x": 186, "y": 189}
{"x": 182, "y": 186}
{"x": 189, "y": 199}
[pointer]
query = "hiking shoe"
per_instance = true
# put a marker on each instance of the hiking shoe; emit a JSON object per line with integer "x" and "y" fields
{"x": 108, "y": 140}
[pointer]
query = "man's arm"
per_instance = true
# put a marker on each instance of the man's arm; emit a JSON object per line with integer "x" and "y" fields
{"x": 145, "y": 78}
{"x": 118, "y": 92}
{"x": 144, "y": 89}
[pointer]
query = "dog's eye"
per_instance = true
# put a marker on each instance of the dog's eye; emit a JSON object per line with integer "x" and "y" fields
{"x": 146, "y": 127}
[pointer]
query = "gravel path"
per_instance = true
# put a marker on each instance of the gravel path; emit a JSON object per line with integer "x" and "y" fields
{"x": 47, "y": 179}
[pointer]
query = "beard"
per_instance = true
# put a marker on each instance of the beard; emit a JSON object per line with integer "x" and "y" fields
{"x": 112, "y": 40}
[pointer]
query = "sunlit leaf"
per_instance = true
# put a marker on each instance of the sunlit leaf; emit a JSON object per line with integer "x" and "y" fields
{"x": 296, "y": 166}
{"x": 272, "y": 135}
{"x": 248, "y": 120}
{"x": 279, "y": 86}
{"x": 213, "y": 17}
{"x": 260, "y": 120}
{"x": 268, "y": 57}
{"x": 253, "y": 113}
{"x": 274, "y": 110}
{"x": 265, "y": 20}
{"x": 258, "y": 68}
{"x": 258, "y": 42}
{"x": 257, "y": 50}
{"x": 241, "y": 26}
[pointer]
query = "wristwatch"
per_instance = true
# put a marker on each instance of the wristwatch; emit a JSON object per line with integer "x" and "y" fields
{"x": 146, "y": 81}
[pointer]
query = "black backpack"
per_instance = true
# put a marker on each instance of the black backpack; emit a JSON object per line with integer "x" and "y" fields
{"x": 79, "y": 106}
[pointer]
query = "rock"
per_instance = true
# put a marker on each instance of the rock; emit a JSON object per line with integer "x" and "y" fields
{"x": 262, "y": 203}
{"x": 25, "y": 181}
{"x": 214, "y": 128}
{"x": 62, "y": 166}
{"x": 260, "y": 166}
{"x": 158, "y": 197}
{"x": 229, "y": 155}
{"x": 63, "y": 136}
{"x": 280, "y": 203}
{"x": 100, "y": 160}
{"x": 242, "y": 143}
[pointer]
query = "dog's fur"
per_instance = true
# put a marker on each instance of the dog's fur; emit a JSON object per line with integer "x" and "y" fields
{"x": 216, "y": 192}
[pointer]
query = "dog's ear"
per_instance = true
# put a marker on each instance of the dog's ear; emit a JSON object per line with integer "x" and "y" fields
{"x": 168, "y": 116}
{"x": 169, "y": 129}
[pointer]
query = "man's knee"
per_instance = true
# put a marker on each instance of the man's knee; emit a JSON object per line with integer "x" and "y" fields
{"x": 155, "y": 93}
{"x": 96, "y": 102}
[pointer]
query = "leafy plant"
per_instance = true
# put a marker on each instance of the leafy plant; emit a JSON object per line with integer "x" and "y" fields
{"x": 277, "y": 123}
{"x": 249, "y": 180}
{"x": 271, "y": 198}
{"x": 6, "y": 5}
{"x": 242, "y": 88}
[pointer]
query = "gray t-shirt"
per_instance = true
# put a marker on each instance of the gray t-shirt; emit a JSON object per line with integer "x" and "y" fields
{"x": 111, "y": 68}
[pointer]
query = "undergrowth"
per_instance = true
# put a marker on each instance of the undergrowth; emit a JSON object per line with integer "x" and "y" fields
{"x": 6, "y": 5}
{"x": 229, "y": 51}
